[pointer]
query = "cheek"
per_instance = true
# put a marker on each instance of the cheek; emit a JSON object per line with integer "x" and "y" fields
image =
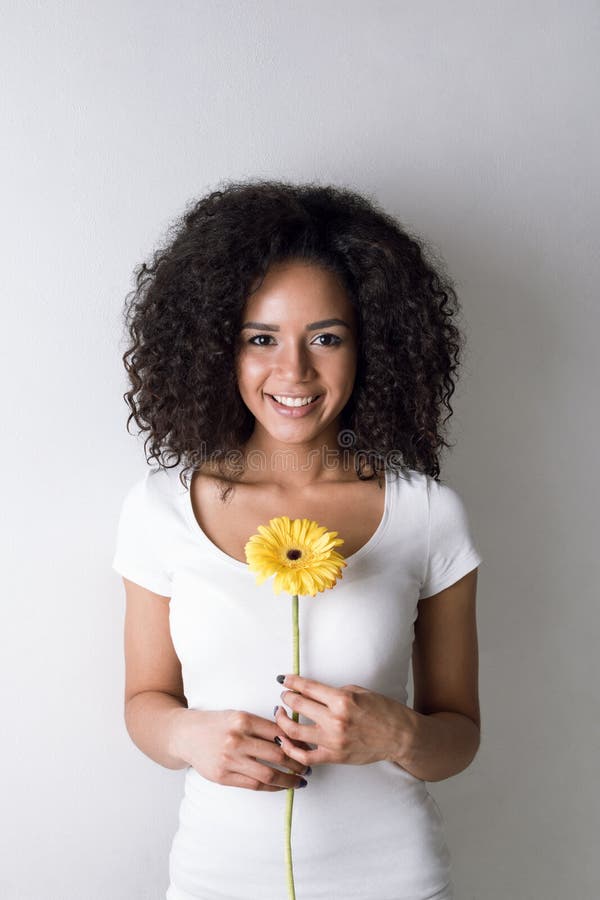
{"x": 349, "y": 381}
{"x": 347, "y": 370}
{"x": 248, "y": 369}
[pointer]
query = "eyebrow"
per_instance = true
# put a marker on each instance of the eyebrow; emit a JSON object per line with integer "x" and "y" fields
{"x": 324, "y": 323}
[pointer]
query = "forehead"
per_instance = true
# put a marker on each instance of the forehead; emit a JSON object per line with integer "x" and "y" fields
{"x": 297, "y": 290}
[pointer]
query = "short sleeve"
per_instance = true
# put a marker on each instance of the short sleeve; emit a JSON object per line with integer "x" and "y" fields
{"x": 452, "y": 552}
{"x": 140, "y": 547}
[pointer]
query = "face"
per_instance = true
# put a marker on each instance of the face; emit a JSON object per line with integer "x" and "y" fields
{"x": 298, "y": 338}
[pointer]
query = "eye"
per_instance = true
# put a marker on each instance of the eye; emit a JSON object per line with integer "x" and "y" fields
{"x": 256, "y": 337}
{"x": 336, "y": 340}
{"x": 333, "y": 339}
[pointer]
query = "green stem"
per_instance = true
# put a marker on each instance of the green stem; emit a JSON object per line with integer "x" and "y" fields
{"x": 290, "y": 792}
{"x": 289, "y": 869}
{"x": 296, "y": 635}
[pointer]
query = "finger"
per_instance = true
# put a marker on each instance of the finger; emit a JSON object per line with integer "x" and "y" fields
{"x": 235, "y": 779}
{"x": 259, "y": 727}
{"x": 302, "y": 745}
{"x": 311, "y": 709}
{"x": 296, "y": 731}
{"x": 313, "y": 757}
{"x": 268, "y": 776}
{"x": 271, "y": 752}
{"x": 258, "y": 740}
{"x": 308, "y": 687}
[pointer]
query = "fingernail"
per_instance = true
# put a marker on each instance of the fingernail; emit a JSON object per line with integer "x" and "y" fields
{"x": 277, "y": 741}
{"x": 280, "y": 679}
{"x": 308, "y": 771}
{"x": 275, "y": 708}
{"x": 303, "y": 783}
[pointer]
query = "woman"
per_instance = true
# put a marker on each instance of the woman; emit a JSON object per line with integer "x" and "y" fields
{"x": 292, "y": 348}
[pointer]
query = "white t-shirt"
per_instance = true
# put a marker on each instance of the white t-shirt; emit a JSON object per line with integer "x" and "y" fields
{"x": 369, "y": 832}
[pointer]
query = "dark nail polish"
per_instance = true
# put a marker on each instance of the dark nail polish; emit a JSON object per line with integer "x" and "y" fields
{"x": 277, "y": 741}
{"x": 308, "y": 771}
{"x": 275, "y": 708}
{"x": 303, "y": 783}
{"x": 280, "y": 678}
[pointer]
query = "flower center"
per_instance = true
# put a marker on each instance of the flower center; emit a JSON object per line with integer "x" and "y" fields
{"x": 294, "y": 554}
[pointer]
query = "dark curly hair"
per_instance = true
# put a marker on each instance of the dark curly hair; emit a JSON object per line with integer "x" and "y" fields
{"x": 184, "y": 315}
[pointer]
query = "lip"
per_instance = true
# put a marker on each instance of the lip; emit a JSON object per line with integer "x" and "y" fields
{"x": 294, "y": 412}
{"x": 293, "y": 394}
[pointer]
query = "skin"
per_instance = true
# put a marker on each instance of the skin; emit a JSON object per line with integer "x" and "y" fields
{"x": 350, "y": 724}
{"x": 292, "y": 360}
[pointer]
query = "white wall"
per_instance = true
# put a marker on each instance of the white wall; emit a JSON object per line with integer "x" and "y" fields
{"x": 476, "y": 125}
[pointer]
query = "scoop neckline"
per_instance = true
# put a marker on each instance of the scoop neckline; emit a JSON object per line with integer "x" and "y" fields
{"x": 196, "y": 530}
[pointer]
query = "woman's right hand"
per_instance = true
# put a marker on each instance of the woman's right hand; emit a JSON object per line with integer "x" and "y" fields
{"x": 225, "y": 746}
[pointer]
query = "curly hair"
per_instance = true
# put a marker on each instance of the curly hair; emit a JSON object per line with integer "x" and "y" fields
{"x": 184, "y": 315}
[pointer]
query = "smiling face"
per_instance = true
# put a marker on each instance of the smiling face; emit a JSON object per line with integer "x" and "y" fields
{"x": 298, "y": 339}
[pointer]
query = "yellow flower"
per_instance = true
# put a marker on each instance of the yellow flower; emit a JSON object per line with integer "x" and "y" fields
{"x": 299, "y": 553}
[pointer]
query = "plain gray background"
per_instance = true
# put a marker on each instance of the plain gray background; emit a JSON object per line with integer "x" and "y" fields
{"x": 476, "y": 125}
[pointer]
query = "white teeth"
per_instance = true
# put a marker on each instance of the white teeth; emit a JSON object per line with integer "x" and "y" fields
{"x": 294, "y": 401}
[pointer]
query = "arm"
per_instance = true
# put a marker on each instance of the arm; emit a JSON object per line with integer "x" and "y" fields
{"x": 154, "y": 698}
{"x": 433, "y": 741}
{"x": 443, "y": 732}
{"x": 230, "y": 747}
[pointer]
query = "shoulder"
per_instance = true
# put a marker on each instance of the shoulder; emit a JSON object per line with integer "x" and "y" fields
{"x": 409, "y": 482}
{"x": 445, "y": 502}
{"x": 145, "y": 533}
{"x": 153, "y": 493}
{"x": 439, "y": 498}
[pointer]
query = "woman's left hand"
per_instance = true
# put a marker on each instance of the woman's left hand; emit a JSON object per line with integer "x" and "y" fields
{"x": 352, "y": 725}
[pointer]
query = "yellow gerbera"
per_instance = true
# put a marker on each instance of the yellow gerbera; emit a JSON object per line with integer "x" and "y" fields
{"x": 298, "y": 552}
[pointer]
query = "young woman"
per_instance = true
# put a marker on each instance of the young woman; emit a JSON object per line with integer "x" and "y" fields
{"x": 292, "y": 348}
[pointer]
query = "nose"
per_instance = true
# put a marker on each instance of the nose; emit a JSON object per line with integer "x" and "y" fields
{"x": 295, "y": 363}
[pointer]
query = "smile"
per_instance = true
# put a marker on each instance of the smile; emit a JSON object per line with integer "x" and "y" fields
{"x": 294, "y": 407}
{"x": 293, "y": 401}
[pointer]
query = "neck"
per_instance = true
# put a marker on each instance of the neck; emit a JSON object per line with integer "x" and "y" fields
{"x": 297, "y": 465}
